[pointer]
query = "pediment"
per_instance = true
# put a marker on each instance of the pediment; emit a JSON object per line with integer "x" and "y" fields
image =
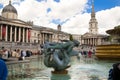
{"x": 15, "y": 22}
{"x": 89, "y": 35}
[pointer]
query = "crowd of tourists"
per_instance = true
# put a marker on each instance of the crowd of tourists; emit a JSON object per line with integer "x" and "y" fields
{"x": 87, "y": 51}
{"x": 17, "y": 53}
{"x": 5, "y": 54}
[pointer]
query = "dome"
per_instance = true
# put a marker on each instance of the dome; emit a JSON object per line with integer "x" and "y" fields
{"x": 9, "y": 8}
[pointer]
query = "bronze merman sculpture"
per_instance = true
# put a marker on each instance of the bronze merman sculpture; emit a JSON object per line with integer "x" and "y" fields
{"x": 57, "y": 55}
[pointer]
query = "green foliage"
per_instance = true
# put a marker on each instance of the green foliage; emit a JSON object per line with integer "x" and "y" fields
{"x": 70, "y": 37}
{"x": 110, "y": 38}
{"x": 116, "y": 27}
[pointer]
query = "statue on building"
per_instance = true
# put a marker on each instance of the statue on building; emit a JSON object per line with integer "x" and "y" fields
{"x": 57, "y": 55}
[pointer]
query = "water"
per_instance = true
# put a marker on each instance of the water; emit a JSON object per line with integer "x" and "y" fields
{"x": 83, "y": 69}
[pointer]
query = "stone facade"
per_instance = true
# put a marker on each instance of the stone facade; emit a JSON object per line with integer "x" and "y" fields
{"x": 92, "y": 37}
{"x": 14, "y": 30}
{"x": 77, "y": 37}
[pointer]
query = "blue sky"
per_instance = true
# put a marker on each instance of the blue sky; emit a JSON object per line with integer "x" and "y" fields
{"x": 73, "y": 15}
{"x": 99, "y": 4}
{"x": 105, "y": 4}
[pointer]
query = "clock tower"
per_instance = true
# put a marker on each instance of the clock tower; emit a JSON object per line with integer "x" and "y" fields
{"x": 93, "y": 24}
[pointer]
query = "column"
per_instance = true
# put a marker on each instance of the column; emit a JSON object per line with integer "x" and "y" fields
{"x": 85, "y": 41}
{"x": 88, "y": 41}
{"x": 94, "y": 41}
{"x": 27, "y": 35}
{"x": 47, "y": 35}
{"x": 15, "y": 35}
{"x": 40, "y": 38}
{"x": 43, "y": 38}
{"x": 6, "y": 34}
{"x": 19, "y": 34}
{"x": 11, "y": 34}
{"x": 97, "y": 41}
{"x": 1, "y": 32}
{"x": 23, "y": 35}
{"x": 51, "y": 38}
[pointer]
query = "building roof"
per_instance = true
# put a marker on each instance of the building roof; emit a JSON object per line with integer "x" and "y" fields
{"x": 9, "y": 8}
{"x": 14, "y": 22}
{"x": 91, "y": 35}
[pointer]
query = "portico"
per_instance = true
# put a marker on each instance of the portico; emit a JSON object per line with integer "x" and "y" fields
{"x": 14, "y": 33}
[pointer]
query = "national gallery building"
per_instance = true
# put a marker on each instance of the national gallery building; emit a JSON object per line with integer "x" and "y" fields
{"x": 11, "y": 28}
{"x": 14, "y": 30}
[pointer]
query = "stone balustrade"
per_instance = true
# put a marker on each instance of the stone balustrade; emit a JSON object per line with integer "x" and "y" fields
{"x": 20, "y": 45}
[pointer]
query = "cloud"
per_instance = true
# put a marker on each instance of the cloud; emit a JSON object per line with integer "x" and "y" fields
{"x": 72, "y": 15}
{"x": 77, "y": 24}
{"x": 38, "y": 11}
{"x": 108, "y": 19}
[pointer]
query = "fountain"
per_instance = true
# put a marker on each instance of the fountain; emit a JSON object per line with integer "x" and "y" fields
{"x": 112, "y": 50}
{"x": 57, "y": 55}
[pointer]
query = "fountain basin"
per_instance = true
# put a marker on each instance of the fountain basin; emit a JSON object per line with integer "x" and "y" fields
{"x": 111, "y": 51}
{"x": 83, "y": 69}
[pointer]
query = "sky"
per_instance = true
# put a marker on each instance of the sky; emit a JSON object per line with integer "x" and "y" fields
{"x": 72, "y": 15}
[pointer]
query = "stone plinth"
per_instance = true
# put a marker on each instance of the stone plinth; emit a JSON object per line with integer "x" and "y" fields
{"x": 60, "y": 72}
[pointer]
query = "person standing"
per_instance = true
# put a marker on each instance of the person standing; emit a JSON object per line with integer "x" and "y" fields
{"x": 116, "y": 71}
{"x": 3, "y": 70}
{"x": 5, "y": 54}
{"x": 89, "y": 54}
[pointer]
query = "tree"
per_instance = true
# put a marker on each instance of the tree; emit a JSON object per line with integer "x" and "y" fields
{"x": 70, "y": 37}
